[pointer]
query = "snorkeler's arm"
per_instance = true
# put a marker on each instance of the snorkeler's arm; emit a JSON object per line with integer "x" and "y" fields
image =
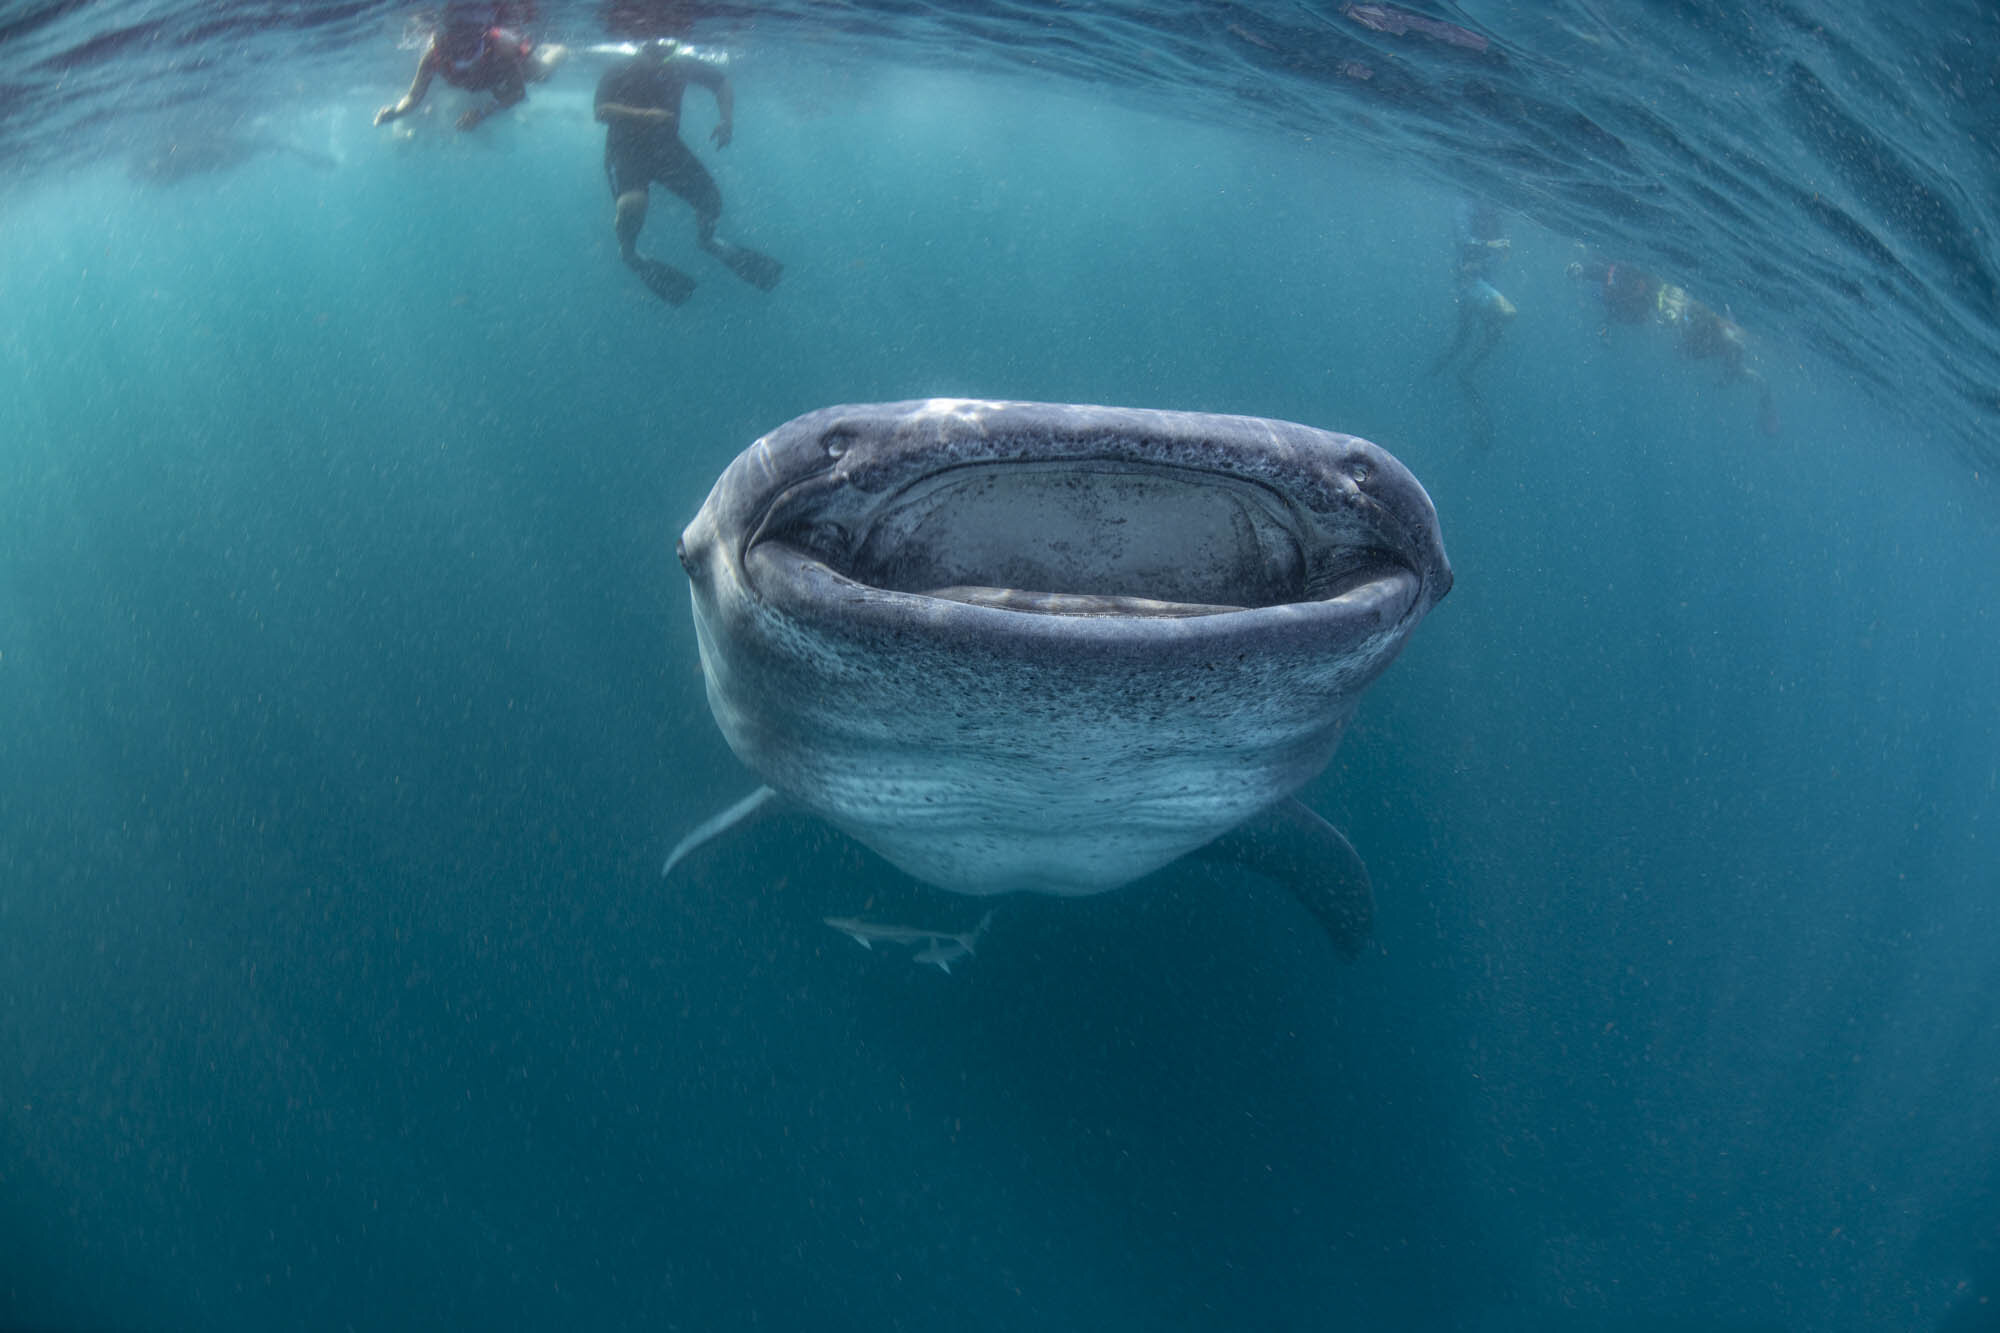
{"x": 510, "y": 89}
{"x": 418, "y": 87}
{"x": 712, "y": 78}
{"x": 725, "y": 110}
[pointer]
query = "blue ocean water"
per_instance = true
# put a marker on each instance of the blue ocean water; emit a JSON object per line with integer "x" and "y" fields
{"x": 351, "y": 699}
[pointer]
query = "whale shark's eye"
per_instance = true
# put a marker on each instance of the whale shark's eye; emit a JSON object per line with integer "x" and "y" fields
{"x": 835, "y": 442}
{"x": 1360, "y": 471}
{"x": 681, "y": 554}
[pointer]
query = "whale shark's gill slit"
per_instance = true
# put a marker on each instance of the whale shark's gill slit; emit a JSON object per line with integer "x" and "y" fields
{"x": 1089, "y": 541}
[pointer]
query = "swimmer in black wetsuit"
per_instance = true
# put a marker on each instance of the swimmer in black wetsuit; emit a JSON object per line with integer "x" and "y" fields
{"x": 639, "y": 102}
{"x": 470, "y": 50}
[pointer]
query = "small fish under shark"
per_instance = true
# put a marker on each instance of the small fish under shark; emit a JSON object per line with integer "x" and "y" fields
{"x": 1053, "y": 648}
{"x": 938, "y": 948}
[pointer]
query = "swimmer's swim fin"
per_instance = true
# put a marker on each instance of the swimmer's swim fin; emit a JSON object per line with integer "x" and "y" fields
{"x": 753, "y": 266}
{"x": 664, "y": 280}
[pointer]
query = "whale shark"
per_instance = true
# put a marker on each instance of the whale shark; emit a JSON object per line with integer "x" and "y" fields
{"x": 191, "y": 145}
{"x": 1052, "y": 648}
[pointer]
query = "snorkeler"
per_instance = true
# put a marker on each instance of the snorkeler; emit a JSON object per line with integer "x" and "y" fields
{"x": 639, "y": 102}
{"x": 470, "y": 50}
{"x": 1630, "y": 295}
{"x": 1704, "y": 334}
{"x": 1483, "y": 312}
{"x": 1633, "y": 296}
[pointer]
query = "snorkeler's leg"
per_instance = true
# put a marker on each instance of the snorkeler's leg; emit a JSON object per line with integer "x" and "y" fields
{"x": 629, "y": 217}
{"x": 689, "y": 179}
{"x": 662, "y": 280}
{"x": 1490, "y": 330}
{"x": 1479, "y": 421}
{"x": 1460, "y": 333}
{"x": 1768, "y": 420}
{"x": 1492, "y": 313}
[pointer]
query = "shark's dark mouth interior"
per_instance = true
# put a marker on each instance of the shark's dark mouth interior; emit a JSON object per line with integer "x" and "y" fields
{"x": 1096, "y": 539}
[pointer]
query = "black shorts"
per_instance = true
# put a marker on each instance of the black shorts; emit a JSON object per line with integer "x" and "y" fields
{"x": 670, "y": 164}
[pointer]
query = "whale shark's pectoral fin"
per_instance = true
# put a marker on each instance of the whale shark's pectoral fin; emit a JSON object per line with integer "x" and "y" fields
{"x": 1311, "y": 857}
{"x": 742, "y": 811}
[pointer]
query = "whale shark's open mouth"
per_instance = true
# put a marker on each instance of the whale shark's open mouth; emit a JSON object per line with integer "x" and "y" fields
{"x": 1093, "y": 538}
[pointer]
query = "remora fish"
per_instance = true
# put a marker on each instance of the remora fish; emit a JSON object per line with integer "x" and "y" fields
{"x": 868, "y": 934}
{"x": 944, "y": 950}
{"x": 1027, "y": 646}
{"x": 940, "y": 948}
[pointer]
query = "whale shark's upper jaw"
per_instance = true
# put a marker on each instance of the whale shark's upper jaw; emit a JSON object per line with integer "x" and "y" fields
{"x": 1079, "y": 523}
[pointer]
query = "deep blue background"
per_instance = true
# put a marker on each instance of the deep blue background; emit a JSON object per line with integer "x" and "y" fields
{"x": 350, "y": 702}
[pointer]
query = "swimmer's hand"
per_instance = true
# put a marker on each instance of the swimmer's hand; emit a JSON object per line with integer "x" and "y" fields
{"x": 722, "y": 134}
{"x": 388, "y": 113}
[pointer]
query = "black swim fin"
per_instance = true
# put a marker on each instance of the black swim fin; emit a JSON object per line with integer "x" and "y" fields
{"x": 753, "y": 266}
{"x": 664, "y": 280}
{"x": 1309, "y": 856}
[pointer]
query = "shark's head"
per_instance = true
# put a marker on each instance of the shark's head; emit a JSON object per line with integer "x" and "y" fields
{"x": 1022, "y": 645}
{"x": 1089, "y": 525}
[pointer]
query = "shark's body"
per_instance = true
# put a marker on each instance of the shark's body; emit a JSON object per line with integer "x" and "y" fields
{"x": 1020, "y": 646}
{"x": 868, "y": 934}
